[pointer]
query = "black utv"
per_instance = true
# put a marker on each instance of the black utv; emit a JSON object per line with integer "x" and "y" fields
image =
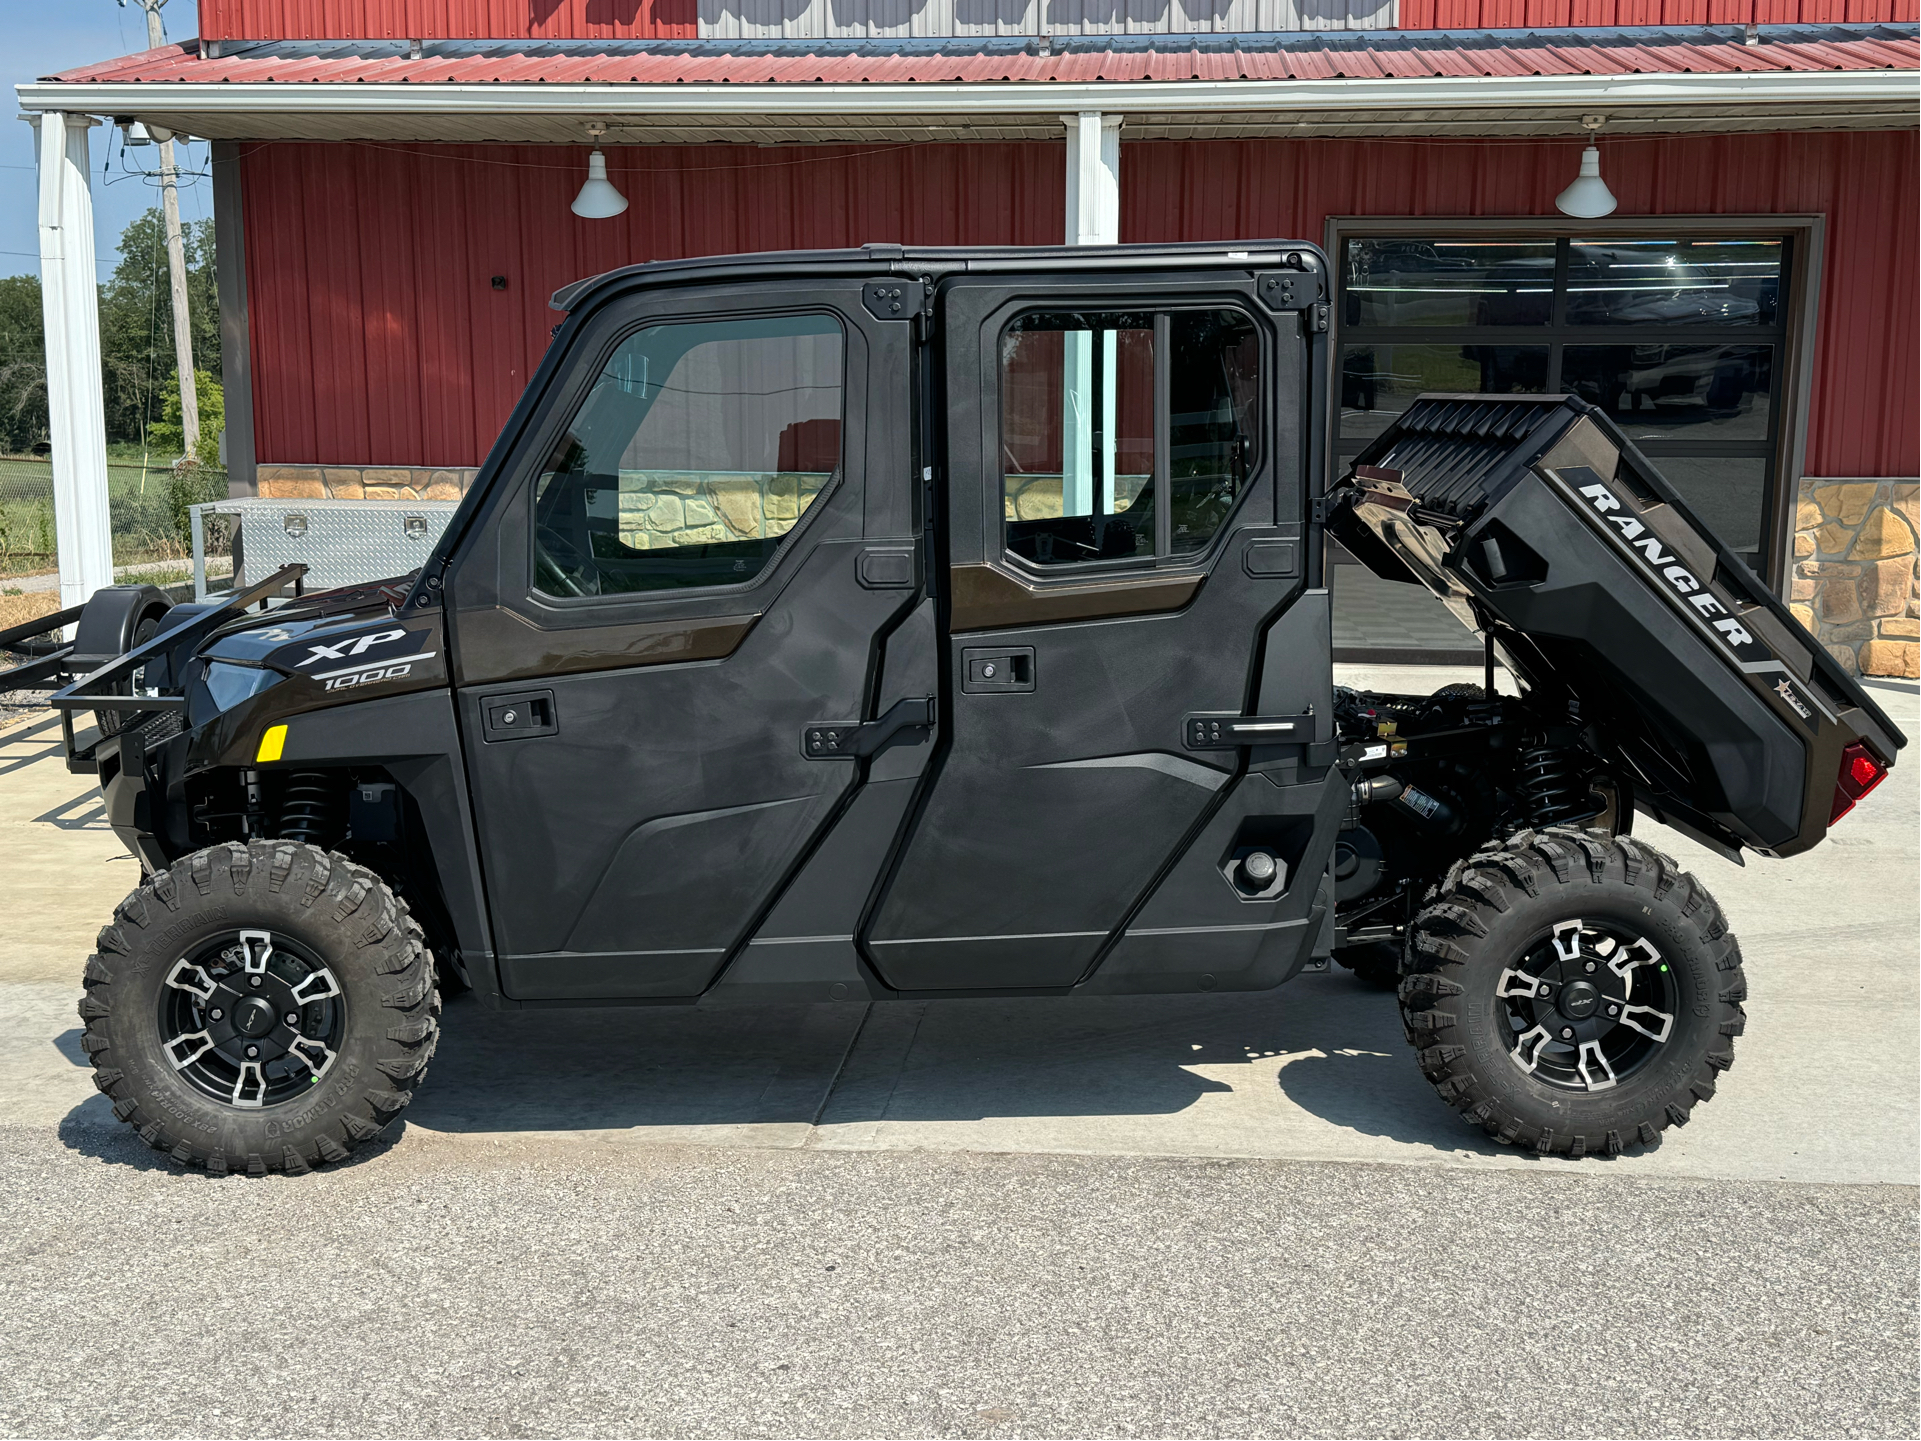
{"x": 916, "y": 623}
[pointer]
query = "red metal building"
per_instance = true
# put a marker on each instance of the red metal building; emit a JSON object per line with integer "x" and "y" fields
{"x": 393, "y": 180}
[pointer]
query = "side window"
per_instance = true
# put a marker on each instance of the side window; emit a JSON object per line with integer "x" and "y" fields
{"x": 1109, "y": 418}
{"x": 699, "y": 447}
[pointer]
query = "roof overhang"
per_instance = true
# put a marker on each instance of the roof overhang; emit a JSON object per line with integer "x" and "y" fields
{"x": 774, "y": 113}
{"x": 1201, "y": 86}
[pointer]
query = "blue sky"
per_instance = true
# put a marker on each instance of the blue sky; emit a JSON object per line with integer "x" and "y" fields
{"x": 42, "y": 37}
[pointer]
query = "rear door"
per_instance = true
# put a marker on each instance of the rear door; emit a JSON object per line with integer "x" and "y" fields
{"x": 1124, "y": 464}
{"x": 694, "y": 556}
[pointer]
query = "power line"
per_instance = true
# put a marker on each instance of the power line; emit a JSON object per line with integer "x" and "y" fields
{"x": 34, "y": 254}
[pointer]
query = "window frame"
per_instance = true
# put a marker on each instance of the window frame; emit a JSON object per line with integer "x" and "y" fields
{"x": 1792, "y": 337}
{"x": 1162, "y": 310}
{"x": 529, "y": 500}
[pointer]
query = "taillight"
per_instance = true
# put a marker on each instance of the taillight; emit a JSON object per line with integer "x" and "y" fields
{"x": 1860, "y": 773}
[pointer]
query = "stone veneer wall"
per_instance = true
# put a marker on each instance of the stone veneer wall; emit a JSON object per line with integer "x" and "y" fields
{"x": 661, "y": 510}
{"x": 364, "y": 482}
{"x": 1855, "y": 582}
{"x": 1038, "y": 496}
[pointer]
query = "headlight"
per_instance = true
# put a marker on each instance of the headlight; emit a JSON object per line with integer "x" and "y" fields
{"x": 228, "y": 685}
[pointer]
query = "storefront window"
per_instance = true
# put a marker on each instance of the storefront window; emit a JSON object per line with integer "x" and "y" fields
{"x": 1678, "y": 339}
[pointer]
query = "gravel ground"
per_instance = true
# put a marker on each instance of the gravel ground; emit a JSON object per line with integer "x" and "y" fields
{"x": 457, "y": 1288}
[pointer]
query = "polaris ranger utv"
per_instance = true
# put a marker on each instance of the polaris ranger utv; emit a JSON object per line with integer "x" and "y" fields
{"x": 918, "y": 623}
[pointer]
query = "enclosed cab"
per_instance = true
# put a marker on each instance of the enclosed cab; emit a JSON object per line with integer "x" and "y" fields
{"x": 919, "y": 623}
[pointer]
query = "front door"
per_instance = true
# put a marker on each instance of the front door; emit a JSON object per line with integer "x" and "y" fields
{"x": 693, "y": 555}
{"x": 1124, "y": 467}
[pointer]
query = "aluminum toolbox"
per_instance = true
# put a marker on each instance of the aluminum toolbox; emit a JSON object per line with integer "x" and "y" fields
{"x": 341, "y": 542}
{"x": 1543, "y": 527}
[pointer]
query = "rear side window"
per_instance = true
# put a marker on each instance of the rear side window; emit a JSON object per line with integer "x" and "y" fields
{"x": 1124, "y": 434}
{"x": 699, "y": 447}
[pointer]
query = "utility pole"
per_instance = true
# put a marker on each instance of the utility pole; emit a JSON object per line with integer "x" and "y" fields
{"x": 176, "y": 259}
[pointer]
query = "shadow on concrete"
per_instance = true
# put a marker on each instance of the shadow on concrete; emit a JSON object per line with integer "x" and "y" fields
{"x": 67, "y": 1043}
{"x": 85, "y": 812}
{"x": 1332, "y": 1047}
{"x": 1343, "y": 1061}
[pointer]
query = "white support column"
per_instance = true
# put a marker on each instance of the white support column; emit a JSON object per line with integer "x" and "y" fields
{"x": 70, "y": 306}
{"x": 1093, "y": 178}
{"x": 1093, "y": 218}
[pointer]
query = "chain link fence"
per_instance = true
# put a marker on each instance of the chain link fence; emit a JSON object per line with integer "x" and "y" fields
{"x": 148, "y": 504}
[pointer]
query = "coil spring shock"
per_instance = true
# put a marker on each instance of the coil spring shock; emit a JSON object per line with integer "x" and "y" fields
{"x": 307, "y": 808}
{"x": 1550, "y": 787}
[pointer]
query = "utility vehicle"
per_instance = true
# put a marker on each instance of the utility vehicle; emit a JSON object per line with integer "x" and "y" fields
{"x": 919, "y": 623}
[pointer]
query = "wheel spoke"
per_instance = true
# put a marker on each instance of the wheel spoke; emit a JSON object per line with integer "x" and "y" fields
{"x": 1638, "y": 954}
{"x": 1591, "y": 1050}
{"x": 1522, "y": 1056}
{"x": 302, "y": 1051}
{"x": 251, "y": 1089}
{"x": 318, "y": 986}
{"x": 1567, "y": 940}
{"x": 256, "y": 947}
{"x": 200, "y": 1041}
{"x": 1518, "y": 986}
{"x": 188, "y": 977}
{"x": 1665, "y": 1021}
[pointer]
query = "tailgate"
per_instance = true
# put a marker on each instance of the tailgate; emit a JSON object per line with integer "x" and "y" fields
{"x": 1545, "y": 529}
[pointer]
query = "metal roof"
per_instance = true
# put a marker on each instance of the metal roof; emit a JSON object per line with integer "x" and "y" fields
{"x": 1355, "y": 55}
{"x": 1483, "y": 84}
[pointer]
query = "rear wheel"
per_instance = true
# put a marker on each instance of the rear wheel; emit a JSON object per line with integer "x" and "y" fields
{"x": 260, "y": 1007}
{"x": 1575, "y": 992}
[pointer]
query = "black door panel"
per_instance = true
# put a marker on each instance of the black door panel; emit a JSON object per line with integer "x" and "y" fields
{"x": 1064, "y": 793}
{"x": 632, "y": 850}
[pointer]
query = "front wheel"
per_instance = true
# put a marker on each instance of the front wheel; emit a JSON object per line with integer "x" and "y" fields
{"x": 260, "y": 1007}
{"x": 1573, "y": 991}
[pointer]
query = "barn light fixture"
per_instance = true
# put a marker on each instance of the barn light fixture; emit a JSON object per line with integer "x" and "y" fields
{"x": 1588, "y": 198}
{"x": 598, "y": 200}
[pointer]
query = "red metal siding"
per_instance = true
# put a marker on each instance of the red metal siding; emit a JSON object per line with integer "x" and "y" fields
{"x": 618, "y": 19}
{"x": 446, "y": 19}
{"x": 377, "y": 338}
{"x": 1866, "y": 417}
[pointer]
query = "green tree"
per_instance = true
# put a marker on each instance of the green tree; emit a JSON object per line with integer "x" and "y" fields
{"x": 166, "y": 435}
{"x": 23, "y": 365}
{"x": 136, "y": 323}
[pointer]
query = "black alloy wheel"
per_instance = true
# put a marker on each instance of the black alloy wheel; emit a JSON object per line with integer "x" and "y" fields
{"x": 252, "y": 1019}
{"x": 1589, "y": 1005}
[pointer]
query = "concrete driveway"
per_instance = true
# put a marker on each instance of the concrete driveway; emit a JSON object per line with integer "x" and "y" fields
{"x": 1202, "y": 1215}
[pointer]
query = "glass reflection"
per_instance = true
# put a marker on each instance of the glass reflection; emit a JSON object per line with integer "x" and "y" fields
{"x": 1378, "y": 382}
{"x": 1673, "y": 282}
{"x": 1728, "y": 494}
{"x": 1443, "y": 282}
{"x": 1676, "y": 392}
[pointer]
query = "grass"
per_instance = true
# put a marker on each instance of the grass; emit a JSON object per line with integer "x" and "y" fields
{"x": 18, "y": 609}
{"x": 139, "y": 502}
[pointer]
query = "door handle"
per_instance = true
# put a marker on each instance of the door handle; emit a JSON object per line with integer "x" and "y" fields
{"x": 829, "y": 742}
{"x": 1214, "y": 731}
{"x": 991, "y": 669}
{"x": 518, "y": 716}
